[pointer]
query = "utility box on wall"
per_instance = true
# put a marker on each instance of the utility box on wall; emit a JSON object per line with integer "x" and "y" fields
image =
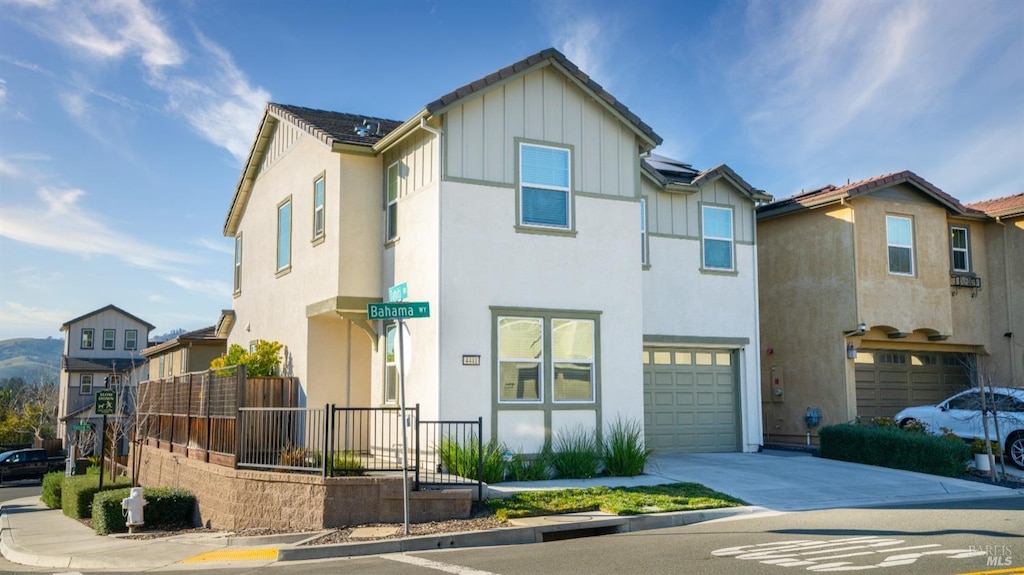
{"x": 773, "y": 388}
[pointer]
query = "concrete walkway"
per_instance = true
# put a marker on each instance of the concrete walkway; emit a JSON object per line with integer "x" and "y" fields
{"x": 31, "y": 534}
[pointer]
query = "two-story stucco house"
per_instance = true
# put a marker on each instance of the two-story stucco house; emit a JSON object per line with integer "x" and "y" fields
{"x": 874, "y": 296}
{"x": 101, "y": 350}
{"x": 572, "y": 278}
{"x": 189, "y": 352}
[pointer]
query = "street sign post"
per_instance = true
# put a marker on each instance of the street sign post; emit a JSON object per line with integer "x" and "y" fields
{"x": 81, "y": 426}
{"x": 400, "y": 310}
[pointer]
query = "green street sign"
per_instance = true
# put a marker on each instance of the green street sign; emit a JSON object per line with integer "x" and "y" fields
{"x": 105, "y": 402}
{"x": 81, "y": 427}
{"x": 403, "y": 310}
{"x": 398, "y": 292}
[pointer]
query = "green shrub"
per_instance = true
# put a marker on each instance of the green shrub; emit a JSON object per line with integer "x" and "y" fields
{"x": 52, "y": 483}
{"x": 462, "y": 458}
{"x": 166, "y": 508}
{"x": 895, "y": 448}
{"x": 299, "y": 457}
{"x": 522, "y": 467}
{"x": 347, "y": 463}
{"x": 978, "y": 446}
{"x": 576, "y": 454}
{"x": 77, "y": 493}
{"x": 624, "y": 453}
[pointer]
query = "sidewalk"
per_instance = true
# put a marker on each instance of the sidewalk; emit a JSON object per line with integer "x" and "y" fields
{"x": 32, "y": 534}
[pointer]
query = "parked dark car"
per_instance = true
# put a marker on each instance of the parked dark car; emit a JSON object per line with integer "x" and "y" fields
{"x": 27, "y": 464}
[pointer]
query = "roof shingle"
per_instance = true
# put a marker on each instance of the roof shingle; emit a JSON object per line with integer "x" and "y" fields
{"x": 1008, "y": 206}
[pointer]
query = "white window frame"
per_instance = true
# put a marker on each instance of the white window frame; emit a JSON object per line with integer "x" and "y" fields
{"x": 523, "y": 184}
{"x": 540, "y": 360}
{"x": 131, "y": 339}
{"x": 283, "y": 266}
{"x": 238, "y": 264}
{"x": 85, "y": 384}
{"x": 391, "y": 365}
{"x": 161, "y": 370}
{"x": 88, "y": 335}
{"x": 890, "y": 245}
{"x": 965, "y": 250}
{"x": 319, "y": 207}
{"x": 184, "y": 361}
{"x": 592, "y": 361}
{"x": 391, "y": 203}
{"x": 113, "y": 339}
{"x": 644, "y": 256}
{"x": 705, "y": 237}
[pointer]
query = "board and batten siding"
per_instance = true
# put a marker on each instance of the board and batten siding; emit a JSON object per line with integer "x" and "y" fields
{"x": 285, "y": 137}
{"x": 417, "y": 161}
{"x": 481, "y": 134}
{"x": 678, "y": 214}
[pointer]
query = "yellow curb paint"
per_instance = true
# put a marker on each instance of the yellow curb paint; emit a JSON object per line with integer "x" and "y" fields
{"x": 1011, "y": 571}
{"x": 233, "y": 555}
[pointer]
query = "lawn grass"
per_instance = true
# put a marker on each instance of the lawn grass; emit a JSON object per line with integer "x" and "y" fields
{"x": 617, "y": 500}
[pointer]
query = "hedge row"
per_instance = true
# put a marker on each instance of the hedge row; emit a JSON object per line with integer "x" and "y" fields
{"x": 167, "y": 508}
{"x": 77, "y": 493}
{"x": 52, "y": 484}
{"x": 896, "y": 448}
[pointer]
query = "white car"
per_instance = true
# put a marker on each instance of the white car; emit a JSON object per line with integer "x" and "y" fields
{"x": 962, "y": 414}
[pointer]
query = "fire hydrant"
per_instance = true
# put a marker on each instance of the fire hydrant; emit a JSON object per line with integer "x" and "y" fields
{"x": 133, "y": 505}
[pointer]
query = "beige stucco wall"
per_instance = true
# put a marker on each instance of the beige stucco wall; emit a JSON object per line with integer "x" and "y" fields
{"x": 1004, "y": 285}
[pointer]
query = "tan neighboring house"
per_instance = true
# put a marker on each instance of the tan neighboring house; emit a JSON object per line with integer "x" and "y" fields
{"x": 189, "y": 352}
{"x": 1004, "y": 237}
{"x": 101, "y": 351}
{"x": 874, "y": 296}
{"x": 552, "y": 249}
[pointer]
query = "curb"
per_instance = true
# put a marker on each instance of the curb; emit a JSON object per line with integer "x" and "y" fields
{"x": 559, "y": 527}
{"x": 16, "y": 554}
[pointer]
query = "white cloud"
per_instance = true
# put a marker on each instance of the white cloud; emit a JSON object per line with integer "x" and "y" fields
{"x": 3, "y": 93}
{"x": 221, "y": 247}
{"x": 208, "y": 287}
{"x": 8, "y": 169}
{"x": 63, "y": 224}
{"x": 583, "y": 37}
{"x": 17, "y": 317}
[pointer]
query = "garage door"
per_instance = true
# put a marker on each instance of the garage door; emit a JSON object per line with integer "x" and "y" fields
{"x": 690, "y": 400}
{"x": 888, "y": 381}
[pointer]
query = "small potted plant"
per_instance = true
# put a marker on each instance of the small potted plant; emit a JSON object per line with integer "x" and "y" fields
{"x": 980, "y": 451}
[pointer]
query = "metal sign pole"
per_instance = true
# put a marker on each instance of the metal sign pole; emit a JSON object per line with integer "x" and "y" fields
{"x": 103, "y": 442}
{"x": 405, "y": 426}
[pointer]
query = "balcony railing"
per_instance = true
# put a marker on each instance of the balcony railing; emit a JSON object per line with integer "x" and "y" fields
{"x": 965, "y": 281}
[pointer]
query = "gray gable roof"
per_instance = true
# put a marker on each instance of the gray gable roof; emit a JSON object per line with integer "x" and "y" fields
{"x": 97, "y": 364}
{"x": 530, "y": 61}
{"x": 341, "y": 127}
{"x": 113, "y": 307}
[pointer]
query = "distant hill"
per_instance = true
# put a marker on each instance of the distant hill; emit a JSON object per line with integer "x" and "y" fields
{"x": 31, "y": 359}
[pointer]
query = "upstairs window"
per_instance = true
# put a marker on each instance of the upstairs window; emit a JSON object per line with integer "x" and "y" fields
{"x": 717, "y": 238}
{"x": 88, "y": 338}
{"x": 545, "y": 187}
{"x": 959, "y": 244}
{"x": 643, "y": 231}
{"x": 238, "y": 264}
{"x": 900, "y": 240}
{"x": 131, "y": 339}
{"x": 109, "y": 339}
{"x": 391, "y": 217}
{"x": 390, "y": 367}
{"x": 284, "y": 235}
{"x": 318, "y": 208}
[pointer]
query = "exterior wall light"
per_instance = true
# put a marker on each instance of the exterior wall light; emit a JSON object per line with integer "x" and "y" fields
{"x": 851, "y": 352}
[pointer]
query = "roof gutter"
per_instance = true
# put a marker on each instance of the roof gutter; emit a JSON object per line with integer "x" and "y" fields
{"x": 400, "y": 133}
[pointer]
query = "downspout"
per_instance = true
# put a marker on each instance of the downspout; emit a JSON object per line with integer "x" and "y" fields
{"x": 437, "y": 174}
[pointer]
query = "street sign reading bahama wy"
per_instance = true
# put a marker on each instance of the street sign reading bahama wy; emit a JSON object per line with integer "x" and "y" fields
{"x": 403, "y": 310}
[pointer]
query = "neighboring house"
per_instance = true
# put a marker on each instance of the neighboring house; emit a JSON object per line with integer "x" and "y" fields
{"x": 101, "y": 351}
{"x": 874, "y": 296}
{"x": 522, "y": 208}
{"x": 1004, "y": 238}
{"x": 189, "y": 352}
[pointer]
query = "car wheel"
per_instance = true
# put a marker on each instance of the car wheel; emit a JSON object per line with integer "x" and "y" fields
{"x": 1015, "y": 449}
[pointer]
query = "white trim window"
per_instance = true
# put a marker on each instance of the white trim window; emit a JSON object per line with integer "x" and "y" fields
{"x": 88, "y": 338}
{"x": 717, "y": 238}
{"x": 318, "y": 208}
{"x": 960, "y": 249}
{"x": 85, "y": 384}
{"x": 391, "y": 206}
{"x": 238, "y": 263}
{"x": 545, "y": 197}
{"x": 161, "y": 364}
{"x": 520, "y": 359}
{"x": 284, "y": 235}
{"x": 131, "y": 339}
{"x": 390, "y": 366}
{"x": 572, "y": 360}
{"x": 183, "y": 368}
{"x": 643, "y": 232}
{"x": 109, "y": 339}
{"x": 899, "y": 233}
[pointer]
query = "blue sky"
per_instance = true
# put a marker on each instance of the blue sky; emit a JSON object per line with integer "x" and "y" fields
{"x": 124, "y": 123}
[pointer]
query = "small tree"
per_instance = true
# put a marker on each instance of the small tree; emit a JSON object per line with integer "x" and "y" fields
{"x": 264, "y": 361}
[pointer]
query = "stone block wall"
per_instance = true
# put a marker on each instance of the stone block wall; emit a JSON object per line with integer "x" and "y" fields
{"x": 238, "y": 498}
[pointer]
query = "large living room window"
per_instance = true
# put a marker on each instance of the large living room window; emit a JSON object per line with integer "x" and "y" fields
{"x": 284, "y": 236}
{"x": 899, "y": 232}
{"x": 545, "y": 189}
{"x": 717, "y": 238}
{"x": 544, "y": 357}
